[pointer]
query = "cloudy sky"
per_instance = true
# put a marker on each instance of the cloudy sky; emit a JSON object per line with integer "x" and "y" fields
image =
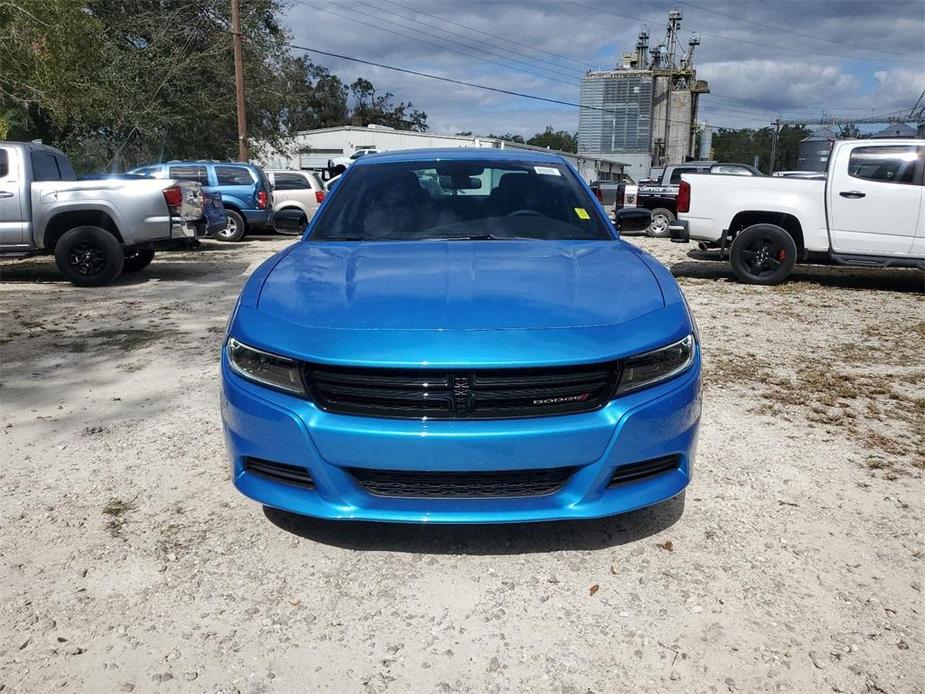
{"x": 763, "y": 58}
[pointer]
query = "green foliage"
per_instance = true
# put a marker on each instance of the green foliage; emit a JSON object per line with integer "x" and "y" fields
{"x": 558, "y": 139}
{"x": 741, "y": 146}
{"x": 121, "y": 82}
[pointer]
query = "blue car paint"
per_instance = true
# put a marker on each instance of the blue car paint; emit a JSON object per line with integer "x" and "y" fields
{"x": 382, "y": 304}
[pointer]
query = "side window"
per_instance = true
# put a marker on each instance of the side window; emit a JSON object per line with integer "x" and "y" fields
{"x": 676, "y": 174}
{"x": 885, "y": 164}
{"x": 290, "y": 181}
{"x": 65, "y": 170}
{"x": 4, "y": 163}
{"x": 44, "y": 167}
{"x": 189, "y": 173}
{"x": 233, "y": 176}
{"x": 733, "y": 170}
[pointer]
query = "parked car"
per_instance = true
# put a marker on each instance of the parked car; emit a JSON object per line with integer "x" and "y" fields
{"x": 453, "y": 353}
{"x": 660, "y": 195}
{"x": 244, "y": 189}
{"x": 348, "y": 160}
{"x": 96, "y": 229}
{"x": 869, "y": 211}
{"x": 296, "y": 190}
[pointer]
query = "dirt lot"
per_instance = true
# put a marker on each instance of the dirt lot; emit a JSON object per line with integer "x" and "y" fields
{"x": 129, "y": 563}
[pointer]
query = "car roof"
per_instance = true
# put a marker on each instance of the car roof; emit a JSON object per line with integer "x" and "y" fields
{"x": 458, "y": 154}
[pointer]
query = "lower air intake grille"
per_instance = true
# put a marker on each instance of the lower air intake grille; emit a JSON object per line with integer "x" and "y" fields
{"x": 648, "y": 468}
{"x": 462, "y": 394}
{"x": 462, "y": 485}
{"x": 278, "y": 472}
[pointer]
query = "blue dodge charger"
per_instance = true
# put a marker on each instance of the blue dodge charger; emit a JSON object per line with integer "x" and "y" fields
{"x": 461, "y": 337}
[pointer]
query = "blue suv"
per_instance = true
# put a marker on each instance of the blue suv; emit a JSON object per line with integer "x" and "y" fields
{"x": 244, "y": 188}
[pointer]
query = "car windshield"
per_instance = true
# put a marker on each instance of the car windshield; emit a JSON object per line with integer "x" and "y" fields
{"x": 460, "y": 200}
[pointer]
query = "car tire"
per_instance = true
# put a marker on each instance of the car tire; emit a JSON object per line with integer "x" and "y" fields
{"x": 661, "y": 219}
{"x": 763, "y": 254}
{"x": 89, "y": 256}
{"x": 303, "y": 222}
{"x": 235, "y": 230}
{"x": 137, "y": 260}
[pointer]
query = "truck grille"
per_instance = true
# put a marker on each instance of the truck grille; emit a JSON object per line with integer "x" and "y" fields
{"x": 462, "y": 485}
{"x": 458, "y": 394}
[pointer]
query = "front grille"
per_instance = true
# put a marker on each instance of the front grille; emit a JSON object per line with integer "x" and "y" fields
{"x": 462, "y": 394}
{"x": 279, "y": 472}
{"x": 462, "y": 485}
{"x": 648, "y": 468}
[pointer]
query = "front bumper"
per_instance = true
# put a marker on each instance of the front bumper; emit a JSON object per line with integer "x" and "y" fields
{"x": 273, "y": 426}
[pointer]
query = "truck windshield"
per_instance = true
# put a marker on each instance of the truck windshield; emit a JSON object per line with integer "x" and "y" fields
{"x": 460, "y": 200}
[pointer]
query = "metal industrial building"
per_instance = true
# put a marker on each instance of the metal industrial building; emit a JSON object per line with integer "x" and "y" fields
{"x": 313, "y": 149}
{"x": 644, "y": 111}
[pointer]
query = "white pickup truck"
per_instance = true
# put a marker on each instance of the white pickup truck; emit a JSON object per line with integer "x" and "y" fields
{"x": 868, "y": 212}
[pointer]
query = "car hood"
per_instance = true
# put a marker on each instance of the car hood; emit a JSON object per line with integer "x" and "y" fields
{"x": 460, "y": 285}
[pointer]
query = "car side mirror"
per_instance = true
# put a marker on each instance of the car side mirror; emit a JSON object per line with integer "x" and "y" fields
{"x": 289, "y": 222}
{"x": 633, "y": 219}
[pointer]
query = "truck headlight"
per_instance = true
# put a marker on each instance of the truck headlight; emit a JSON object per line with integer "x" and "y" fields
{"x": 656, "y": 366}
{"x": 265, "y": 368}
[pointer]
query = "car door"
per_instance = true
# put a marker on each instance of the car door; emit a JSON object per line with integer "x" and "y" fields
{"x": 874, "y": 199}
{"x": 237, "y": 185}
{"x": 12, "y": 207}
{"x": 293, "y": 187}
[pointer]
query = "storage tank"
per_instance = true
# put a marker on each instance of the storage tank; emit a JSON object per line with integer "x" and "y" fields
{"x": 814, "y": 150}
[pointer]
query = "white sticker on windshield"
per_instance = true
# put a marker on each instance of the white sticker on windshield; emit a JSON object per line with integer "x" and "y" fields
{"x": 547, "y": 170}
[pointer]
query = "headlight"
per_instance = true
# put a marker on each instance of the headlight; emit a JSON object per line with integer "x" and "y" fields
{"x": 656, "y": 366}
{"x": 262, "y": 367}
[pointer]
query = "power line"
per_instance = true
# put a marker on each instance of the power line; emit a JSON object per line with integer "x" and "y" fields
{"x": 558, "y": 70}
{"x": 450, "y": 80}
{"x": 786, "y": 31}
{"x": 802, "y": 51}
{"x": 429, "y": 43}
{"x": 507, "y": 40}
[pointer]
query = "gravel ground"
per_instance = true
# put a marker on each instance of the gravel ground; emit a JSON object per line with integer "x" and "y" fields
{"x": 129, "y": 563}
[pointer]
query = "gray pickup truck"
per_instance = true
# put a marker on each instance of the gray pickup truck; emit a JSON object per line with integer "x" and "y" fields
{"x": 96, "y": 229}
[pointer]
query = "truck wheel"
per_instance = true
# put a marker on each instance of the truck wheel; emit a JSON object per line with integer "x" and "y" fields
{"x": 235, "y": 230}
{"x": 661, "y": 219}
{"x": 137, "y": 260}
{"x": 763, "y": 254}
{"x": 89, "y": 256}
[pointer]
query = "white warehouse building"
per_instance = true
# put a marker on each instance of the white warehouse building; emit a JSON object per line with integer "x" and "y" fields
{"x": 313, "y": 149}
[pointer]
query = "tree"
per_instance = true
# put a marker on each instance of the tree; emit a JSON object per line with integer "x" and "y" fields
{"x": 122, "y": 82}
{"x": 743, "y": 145}
{"x": 509, "y": 137}
{"x": 372, "y": 108}
{"x": 555, "y": 139}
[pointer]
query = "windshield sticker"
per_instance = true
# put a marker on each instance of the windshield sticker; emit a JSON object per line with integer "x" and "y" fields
{"x": 547, "y": 170}
{"x": 582, "y": 213}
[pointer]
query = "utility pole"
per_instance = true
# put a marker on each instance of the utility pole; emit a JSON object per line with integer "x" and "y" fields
{"x": 239, "y": 79}
{"x": 774, "y": 137}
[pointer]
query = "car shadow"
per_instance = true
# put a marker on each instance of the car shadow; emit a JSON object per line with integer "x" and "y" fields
{"x": 483, "y": 540}
{"x": 890, "y": 279}
{"x": 165, "y": 269}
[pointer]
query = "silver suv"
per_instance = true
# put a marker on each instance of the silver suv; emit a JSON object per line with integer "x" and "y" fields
{"x": 296, "y": 190}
